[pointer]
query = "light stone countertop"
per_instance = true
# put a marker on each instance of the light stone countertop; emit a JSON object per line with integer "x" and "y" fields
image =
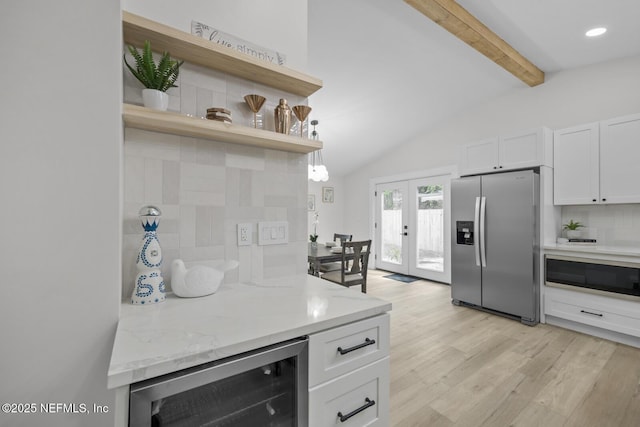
{"x": 183, "y": 332}
{"x": 626, "y": 251}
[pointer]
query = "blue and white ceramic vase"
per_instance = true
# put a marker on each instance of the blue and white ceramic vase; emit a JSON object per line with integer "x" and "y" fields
{"x": 149, "y": 286}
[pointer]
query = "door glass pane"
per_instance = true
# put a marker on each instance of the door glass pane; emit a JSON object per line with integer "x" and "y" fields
{"x": 270, "y": 400}
{"x": 391, "y": 226}
{"x": 430, "y": 228}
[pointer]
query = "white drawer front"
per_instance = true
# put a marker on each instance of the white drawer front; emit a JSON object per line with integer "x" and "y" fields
{"x": 355, "y": 341}
{"x": 594, "y": 316}
{"x": 362, "y": 396}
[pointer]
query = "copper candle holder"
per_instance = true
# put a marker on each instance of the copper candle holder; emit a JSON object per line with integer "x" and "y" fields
{"x": 255, "y": 103}
{"x": 301, "y": 112}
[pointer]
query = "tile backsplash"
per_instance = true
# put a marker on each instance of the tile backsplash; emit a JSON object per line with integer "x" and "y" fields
{"x": 611, "y": 225}
{"x": 205, "y": 188}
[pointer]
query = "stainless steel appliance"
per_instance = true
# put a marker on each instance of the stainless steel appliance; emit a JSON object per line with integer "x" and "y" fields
{"x": 496, "y": 243}
{"x": 265, "y": 387}
{"x": 610, "y": 278}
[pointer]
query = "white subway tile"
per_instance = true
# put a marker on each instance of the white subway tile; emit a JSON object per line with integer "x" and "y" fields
{"x": 188, "y": 99}
{"x": 187, "y": 226}
{"x": 134, "y": 179}
{"x": 153, "y": 181}
{"x": 155, "y": 145}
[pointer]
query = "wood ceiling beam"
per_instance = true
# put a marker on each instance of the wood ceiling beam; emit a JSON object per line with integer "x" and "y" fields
{"x": 462, "y": 24}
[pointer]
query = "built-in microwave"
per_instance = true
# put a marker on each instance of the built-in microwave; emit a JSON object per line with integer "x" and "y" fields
{"x": 619, "y": 279}
{"x": 262, "y": 388}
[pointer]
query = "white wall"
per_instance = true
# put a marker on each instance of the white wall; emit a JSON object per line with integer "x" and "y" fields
{"x": 567, "y": 98}
{"x": 330, "y": 215}
{"x": 60, "y": 227}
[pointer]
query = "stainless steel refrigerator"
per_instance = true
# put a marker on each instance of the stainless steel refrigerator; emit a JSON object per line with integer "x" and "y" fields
{"x": 495, "y": 243}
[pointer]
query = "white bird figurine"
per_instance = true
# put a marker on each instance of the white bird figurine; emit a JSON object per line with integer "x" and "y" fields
{"x": 200, "y": 279}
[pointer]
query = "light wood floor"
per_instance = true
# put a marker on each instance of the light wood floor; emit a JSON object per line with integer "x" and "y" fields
{"x": 455, "y": 366}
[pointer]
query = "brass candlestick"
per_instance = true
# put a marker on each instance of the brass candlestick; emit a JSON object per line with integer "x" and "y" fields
{"x": 255, "y": 103}
{"x": 301, "y": 112}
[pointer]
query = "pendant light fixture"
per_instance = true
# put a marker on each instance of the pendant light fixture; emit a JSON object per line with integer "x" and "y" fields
{"x": 317, "y": 169}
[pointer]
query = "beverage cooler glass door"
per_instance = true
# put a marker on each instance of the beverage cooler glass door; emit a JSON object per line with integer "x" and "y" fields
{"x": 265, "y": 387}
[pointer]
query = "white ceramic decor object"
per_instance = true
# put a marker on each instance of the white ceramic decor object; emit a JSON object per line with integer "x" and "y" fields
{"x": 155, "y": 99}
{"x": 149, "y": 285}
{"x": 199, "y": 279}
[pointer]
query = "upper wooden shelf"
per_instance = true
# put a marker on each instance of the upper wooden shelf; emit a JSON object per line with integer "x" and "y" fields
{"x": 178, "y": 124}
{"x": 190, "y": 48}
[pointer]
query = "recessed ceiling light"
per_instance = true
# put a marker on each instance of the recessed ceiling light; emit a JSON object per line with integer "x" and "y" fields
{"x": 594, "y": 32}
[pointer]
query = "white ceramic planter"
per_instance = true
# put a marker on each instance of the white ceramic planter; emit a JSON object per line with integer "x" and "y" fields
{"x": 155, "y": 99}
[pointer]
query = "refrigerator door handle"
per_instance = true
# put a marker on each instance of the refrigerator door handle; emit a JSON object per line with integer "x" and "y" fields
{"x": 483, "y": 213}
{"x": 476, "y": 225}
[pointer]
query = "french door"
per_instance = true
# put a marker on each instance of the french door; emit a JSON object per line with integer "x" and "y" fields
{"x": 412, "y": 227}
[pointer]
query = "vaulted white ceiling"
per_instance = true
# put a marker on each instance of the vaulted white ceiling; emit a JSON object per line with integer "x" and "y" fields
{"x": 390, "y": 73}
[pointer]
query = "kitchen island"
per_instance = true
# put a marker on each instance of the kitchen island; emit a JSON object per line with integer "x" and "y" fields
{"x": 183, "y": 332}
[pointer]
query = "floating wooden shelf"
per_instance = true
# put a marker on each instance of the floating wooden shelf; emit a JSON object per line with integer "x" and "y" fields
{"x": 179, "y": 124}
{"x": 190, "y": 48}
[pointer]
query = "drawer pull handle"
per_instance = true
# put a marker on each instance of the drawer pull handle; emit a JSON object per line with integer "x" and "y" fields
{"x": 366, "y": 342}
{"x": 367, "y": 403}
{"x": 593, "y": 314}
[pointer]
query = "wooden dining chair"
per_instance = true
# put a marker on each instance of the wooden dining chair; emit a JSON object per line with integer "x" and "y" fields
{"x": 342, "y": 237}
{"x": 335, "y": 266}
{"x": 353, "y": 269}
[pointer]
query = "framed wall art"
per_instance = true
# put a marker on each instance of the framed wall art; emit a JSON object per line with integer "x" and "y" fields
{"x": 311, "y": 202}
{"x": 327, "y": 194}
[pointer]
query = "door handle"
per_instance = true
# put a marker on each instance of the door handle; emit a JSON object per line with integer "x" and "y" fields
{"x": 367, "y": 404}
{"x": 483, "y": 214}
{"x": 476, "y": 233}
{"x": 367, "y": 341}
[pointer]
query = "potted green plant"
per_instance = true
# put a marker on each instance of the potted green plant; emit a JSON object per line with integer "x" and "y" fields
{"x": 313, "y": 238}
{"x": 572, "y": 229}
{"x": 156, "y": 78}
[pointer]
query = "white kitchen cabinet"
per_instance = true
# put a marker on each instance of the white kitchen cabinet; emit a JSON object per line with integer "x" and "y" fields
{"x": 479, "y": 157}
{"x": 606, "y": 313}
{"x": 619, "y": 154}
{"x": 596, "y": 163}
{"x": 360, "y": 398}
{"x": 329, "y": 355}
{"x": 349, "y": 374}
{"x": 576, "y": 175}
{"x": 518, "y": 150}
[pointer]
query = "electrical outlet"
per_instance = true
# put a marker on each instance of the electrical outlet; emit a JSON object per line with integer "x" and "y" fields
{"x": 244, "y": 234}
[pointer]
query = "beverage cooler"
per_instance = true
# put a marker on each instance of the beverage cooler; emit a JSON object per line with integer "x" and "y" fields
{"x": 265, "y": 387}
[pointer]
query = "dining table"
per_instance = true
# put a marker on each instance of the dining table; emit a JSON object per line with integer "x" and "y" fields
{"x": 320, "y": 254}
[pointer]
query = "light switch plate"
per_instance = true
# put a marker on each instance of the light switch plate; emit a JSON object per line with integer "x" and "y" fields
{"x": 273, "y": 232}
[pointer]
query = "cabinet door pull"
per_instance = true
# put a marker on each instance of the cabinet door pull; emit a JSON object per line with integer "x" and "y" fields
{"x": 366, "y": 342}
{"x": 367, "y": 403}
{"x": 593, "y": 314}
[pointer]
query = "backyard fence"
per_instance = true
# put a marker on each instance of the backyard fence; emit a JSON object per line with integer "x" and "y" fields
{"x": 429, "y": 234}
